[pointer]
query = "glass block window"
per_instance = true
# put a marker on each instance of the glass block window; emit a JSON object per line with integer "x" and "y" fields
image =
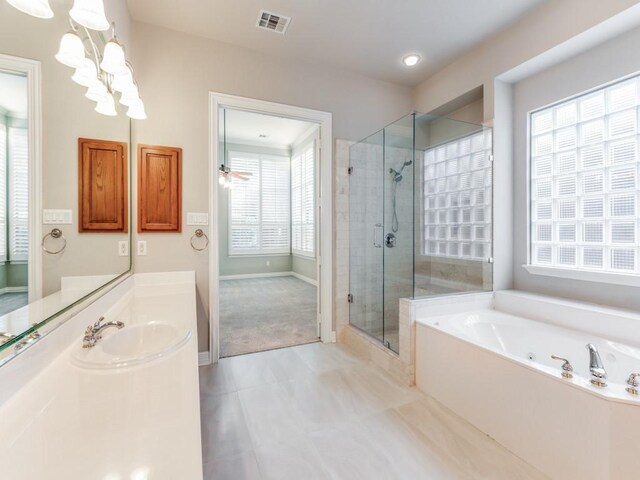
{"x": 457, "y": 198}
{"x": 584, "y": 169}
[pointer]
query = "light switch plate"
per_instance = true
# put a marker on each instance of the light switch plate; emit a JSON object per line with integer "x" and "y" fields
{"x": 57, "y": 217}
{"x": 195, "y": 218}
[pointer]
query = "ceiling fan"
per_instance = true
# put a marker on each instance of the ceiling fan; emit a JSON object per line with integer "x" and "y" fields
{"x": 226, "y": 175}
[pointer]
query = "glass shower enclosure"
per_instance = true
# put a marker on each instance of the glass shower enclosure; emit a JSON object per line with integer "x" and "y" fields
{"x": 420, "y": 215}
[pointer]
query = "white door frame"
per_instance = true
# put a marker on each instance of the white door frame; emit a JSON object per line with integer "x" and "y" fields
{"x": 32, "y": 69}
{"x": 324, "y": 209}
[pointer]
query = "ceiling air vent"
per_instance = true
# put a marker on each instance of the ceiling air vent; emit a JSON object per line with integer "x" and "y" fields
{"x": 273, "y": 22}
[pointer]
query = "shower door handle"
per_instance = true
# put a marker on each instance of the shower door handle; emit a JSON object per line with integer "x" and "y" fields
{"x": 377, "y": 235}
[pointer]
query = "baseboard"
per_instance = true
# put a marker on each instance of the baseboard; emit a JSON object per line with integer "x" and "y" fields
{"x": 14, "y": 290}
{"x": 304, "y": 279}
{"x": 203, "y": 358}
{"x": 256, "y": 275}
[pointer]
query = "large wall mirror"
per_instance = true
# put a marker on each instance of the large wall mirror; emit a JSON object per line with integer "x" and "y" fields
{"x": 64, "y": 179}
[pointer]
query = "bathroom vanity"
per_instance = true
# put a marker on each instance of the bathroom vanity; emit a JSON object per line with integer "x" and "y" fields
{"x": 128, "y": 408}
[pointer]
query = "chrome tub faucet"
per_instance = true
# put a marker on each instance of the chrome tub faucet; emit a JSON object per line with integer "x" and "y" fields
{"x": 93, "y": 333}
{"x": 598, "y": 373}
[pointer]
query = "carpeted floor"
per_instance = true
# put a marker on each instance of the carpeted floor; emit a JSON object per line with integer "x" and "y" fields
{"x": 259, "y": 314}
{"x": 12, "y": 301}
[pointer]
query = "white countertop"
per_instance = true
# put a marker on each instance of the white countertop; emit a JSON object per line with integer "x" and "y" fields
{"x": 137, "y": 423}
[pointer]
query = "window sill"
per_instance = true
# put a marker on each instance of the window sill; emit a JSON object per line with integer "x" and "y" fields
{"x": 303, "y": 255}
{"x": 585, "y": 275}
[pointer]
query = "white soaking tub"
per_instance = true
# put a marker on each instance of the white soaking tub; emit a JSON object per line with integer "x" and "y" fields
{"x": 488, "y": 358}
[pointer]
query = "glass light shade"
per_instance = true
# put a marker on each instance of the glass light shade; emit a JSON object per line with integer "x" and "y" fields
{"x": 122, "y": 83}
{"x": 136, "y": 111}
{"x": 86, "y": 74}
{"x": 97, "y": 92}
{"x": 113, "y": 60}
{"x": 71, "y": 51}
{"x": 35, "y": 8}
{"x": 107, "y": 106}
{"x": 90, "y": 14}
{"x": 130, "y": 97}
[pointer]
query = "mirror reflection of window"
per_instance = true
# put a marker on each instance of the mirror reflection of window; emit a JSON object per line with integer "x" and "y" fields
{"x": 14, "y": 192}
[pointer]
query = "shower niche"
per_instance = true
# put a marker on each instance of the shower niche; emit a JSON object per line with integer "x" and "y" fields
{"x": 420, "y": 218}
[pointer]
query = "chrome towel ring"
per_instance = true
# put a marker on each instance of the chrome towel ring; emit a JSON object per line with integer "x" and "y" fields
{"x": 55, "y": 233}
{"x": 199, "y": 234}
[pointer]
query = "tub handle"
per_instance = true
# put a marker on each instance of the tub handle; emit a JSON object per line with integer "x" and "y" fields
{"x": 633, "y": 383}
{"x": 567, "y": 369}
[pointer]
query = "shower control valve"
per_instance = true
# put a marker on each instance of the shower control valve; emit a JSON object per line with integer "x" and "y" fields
{"x": 567, "y": 369}
{"x": 390, "y": 240}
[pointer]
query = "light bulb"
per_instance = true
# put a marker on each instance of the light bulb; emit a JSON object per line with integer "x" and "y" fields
{"x": 122, "y": 83}
{"x": 411, "y": 60}
{"x": 35, "y": 8}
{"x": 113, "y": 60}
{"x": 90, "y": 14}
{"x": 130, "y": 97}
{"x": 97, "y": 92}
{"x": 107, "y": 106}
{"x": 86, "y": 74}
{"x": 71, "y": 51}
{"x": 136, "y": 111}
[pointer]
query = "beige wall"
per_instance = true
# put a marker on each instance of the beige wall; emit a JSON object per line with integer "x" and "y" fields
{"x": 176, "y": 72}
{"x": 546, "y": 27}
{"x": 67, "y": 115}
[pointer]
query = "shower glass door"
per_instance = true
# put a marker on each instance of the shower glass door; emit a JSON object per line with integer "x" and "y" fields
{"x": 366, "y": 207}
{"x": 381, "y": 191}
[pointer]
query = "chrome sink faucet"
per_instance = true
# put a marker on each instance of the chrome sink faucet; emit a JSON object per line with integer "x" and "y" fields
{"x": 93, "y": 333}
{"x": 598, "y": 373}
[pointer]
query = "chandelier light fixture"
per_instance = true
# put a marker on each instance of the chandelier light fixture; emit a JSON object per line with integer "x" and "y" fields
{"x": 100, "y": 65}
{"x": 35, "y": 8}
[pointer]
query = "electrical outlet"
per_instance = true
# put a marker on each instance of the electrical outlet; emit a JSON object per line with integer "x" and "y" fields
{"x": 142, "y": 247}
{"x": 123, "y": 249}
{"x": 268, "y": 263}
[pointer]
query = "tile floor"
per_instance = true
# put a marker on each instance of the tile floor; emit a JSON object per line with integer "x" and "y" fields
{"x": 318, "y": 412}
{"x": 258, "y": 314}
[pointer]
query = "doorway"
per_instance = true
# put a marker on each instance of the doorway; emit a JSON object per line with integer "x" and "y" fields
{"x": 20, "y": 254}
{"x": 270, "y": 262}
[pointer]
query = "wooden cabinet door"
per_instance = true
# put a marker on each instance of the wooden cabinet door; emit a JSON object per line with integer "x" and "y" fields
{"x": 102, "y": 186}
{"x": 159, "y": 189}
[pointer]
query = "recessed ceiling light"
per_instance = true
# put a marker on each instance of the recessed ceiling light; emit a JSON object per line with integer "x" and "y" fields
{"x": 411, "y": 60}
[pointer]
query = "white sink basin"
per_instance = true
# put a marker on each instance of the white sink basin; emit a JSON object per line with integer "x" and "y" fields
{"x": 132, "y": 345}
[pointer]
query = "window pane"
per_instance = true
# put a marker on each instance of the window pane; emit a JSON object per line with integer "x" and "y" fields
{"x": 584, "y": 181}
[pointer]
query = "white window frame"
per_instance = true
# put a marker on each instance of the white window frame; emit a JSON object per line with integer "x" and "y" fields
{"x": 261, "y": 250}
{"x": 299, "y": 151}
{"x": 575, "y": 273}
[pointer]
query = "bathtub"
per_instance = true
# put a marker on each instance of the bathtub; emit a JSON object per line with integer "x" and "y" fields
{"x": 488, "y": 358}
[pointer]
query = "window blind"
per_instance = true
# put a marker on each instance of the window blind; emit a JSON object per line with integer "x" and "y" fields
{"x": 259, "y": 209}
{"x": 457, "y": 198}
{"x": 303, "y": 201}
{"x": 18, "y": 194}
{"x": 584, "y": 186}
{"x": 3, "y": 192}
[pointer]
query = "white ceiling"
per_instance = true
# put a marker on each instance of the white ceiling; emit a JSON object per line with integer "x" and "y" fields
{"x": 365, "y": 36}
{"x": 246, "y": 128}
{"x": 13, "y": 94}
